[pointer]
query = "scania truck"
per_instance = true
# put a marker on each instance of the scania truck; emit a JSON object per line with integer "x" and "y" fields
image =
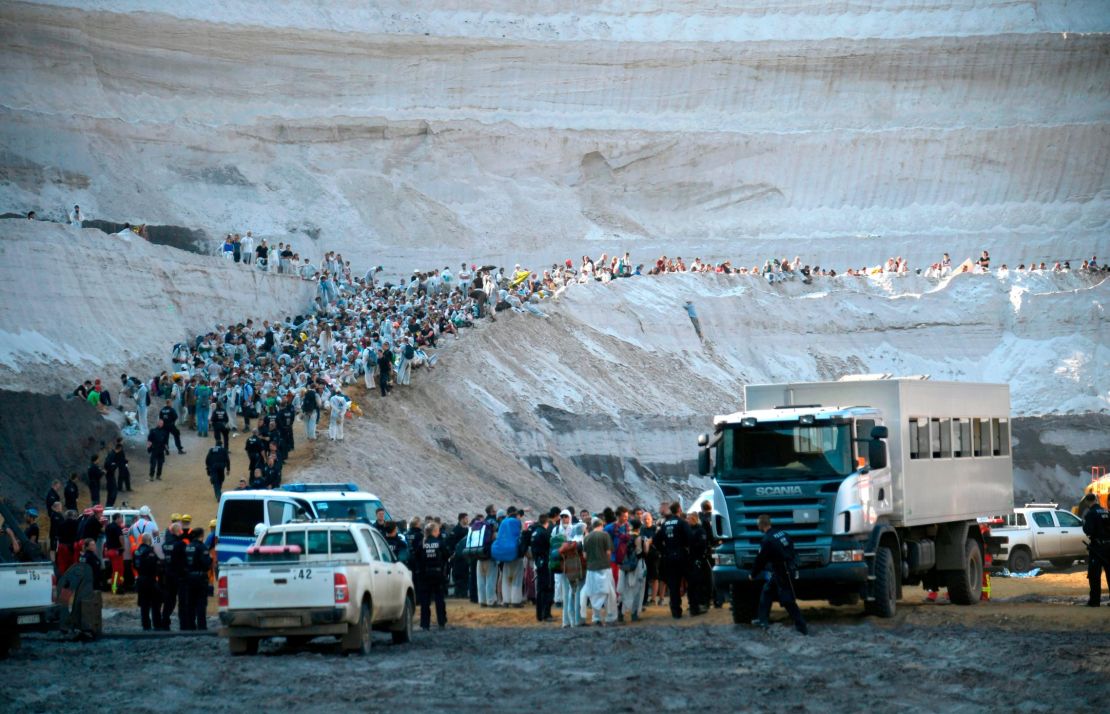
{"x": 878, "y": 481}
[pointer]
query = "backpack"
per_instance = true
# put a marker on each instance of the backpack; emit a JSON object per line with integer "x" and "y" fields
{"x": 555, "y": 562}
{"x": 309, "y": 404}
{"x": 409, "y": 352}
{"x": 631, "y": 557}
{"x": 477, "y": 543}
{"x": 148, "y": 397}
{"x": 574, "y": 564}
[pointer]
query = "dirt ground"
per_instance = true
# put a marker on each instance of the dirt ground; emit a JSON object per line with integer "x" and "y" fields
{"x": 1031, "y": 649}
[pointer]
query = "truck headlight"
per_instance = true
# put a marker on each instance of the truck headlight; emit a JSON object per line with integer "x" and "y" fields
{"x": 724, "y": 559}
{"x": 847, "y": 556}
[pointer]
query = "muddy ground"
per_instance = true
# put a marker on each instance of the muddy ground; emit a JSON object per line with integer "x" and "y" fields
{"x": 1032, "y": 649}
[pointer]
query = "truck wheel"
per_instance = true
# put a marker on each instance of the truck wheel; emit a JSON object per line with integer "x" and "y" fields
{"x": 965, "y": 585}
{"x": 1062, "y": 563}
{"x": 404, "y": 634}
{"x": 884, "y": 587}
{"x": 359, "y": 637}
{"x": 745, "y": 604}
{"x": 242, "y": 645}
{"x": 1021, "y": 560}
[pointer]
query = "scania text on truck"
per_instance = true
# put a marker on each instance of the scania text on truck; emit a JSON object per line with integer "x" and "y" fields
{"x": 878, "y": 481}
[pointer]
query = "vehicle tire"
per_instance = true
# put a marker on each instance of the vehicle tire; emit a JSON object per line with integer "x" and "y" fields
{"x": 243, "y": 645}
{"x": 359, "y": 638}
{"x": 1020, "y": 560}
{"x": 964, "y": 586}
{"x": 1062, "y": 563}
{"x": 885, "y": 585}
{"x": 745, "y": 604}
{"x": 8, "y": 641}
{"x": 403, "y": 635}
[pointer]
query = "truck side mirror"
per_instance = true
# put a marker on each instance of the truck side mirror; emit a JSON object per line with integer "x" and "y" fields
{"x": 703, "y": 461}
{"x": 879, "y": 432}
{"x": 876, "y": 452}
{"x": 703, "y": 439}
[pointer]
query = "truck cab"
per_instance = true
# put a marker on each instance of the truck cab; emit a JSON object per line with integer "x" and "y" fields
{"x": 878, "y": 482}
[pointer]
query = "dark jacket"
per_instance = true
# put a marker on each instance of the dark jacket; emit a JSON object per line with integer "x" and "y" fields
{"x": 217, "y": 462}
{"x": 776, "y": 551}
{"x": 71, "y": 492}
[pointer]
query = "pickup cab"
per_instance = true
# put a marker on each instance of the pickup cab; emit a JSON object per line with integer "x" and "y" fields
{"x": 1040, "y": 531}
{"x": 26, "y": 601}
{"x": 303, "y": 580}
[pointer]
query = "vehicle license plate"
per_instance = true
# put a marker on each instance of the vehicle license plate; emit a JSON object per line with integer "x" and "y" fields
{"x": 28, "y": 619}
{"x": 276, "y": 622}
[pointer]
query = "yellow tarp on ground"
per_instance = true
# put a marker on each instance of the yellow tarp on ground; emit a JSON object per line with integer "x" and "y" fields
{"x": 520, "y": 277}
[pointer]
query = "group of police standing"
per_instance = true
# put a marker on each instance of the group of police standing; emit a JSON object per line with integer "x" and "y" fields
{"x": 174, "y": 575}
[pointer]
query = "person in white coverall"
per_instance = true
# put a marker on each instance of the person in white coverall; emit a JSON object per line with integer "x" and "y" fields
{"x": 338, "y": 405}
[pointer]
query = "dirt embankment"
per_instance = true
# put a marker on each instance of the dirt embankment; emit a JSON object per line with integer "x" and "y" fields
{"x": 43, "y": 437}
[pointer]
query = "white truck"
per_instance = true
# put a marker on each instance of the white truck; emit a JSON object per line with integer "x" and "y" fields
{"x": 26, "y": 601}
{"x": 878, "y": 481}
{"x": 317, "y": 578}
{"x": 1039, "y": 531}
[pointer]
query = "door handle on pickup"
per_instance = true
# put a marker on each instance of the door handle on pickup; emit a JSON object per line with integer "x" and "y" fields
{"x": 280, "y": 581}
{"x": 1040, "y": 532}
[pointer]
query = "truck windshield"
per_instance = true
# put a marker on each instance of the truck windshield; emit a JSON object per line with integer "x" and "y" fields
{"x": 782, "y": 450}
{"x": 348, "y": 509}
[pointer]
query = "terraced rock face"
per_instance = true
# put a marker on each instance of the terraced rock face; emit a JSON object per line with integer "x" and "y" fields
{"x": 413, "y": 133}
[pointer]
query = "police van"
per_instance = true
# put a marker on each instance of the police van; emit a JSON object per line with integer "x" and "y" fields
{"x": 241, "y": 512}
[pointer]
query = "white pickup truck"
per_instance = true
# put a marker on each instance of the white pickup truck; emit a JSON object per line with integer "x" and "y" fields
{"x": 26, "y": 601}
{"x": 1040, "y": 531}
{"x": 317, "y": 578}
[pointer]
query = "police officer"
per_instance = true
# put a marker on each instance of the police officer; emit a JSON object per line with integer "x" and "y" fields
{"x": 117, "y": 460}
{"x": 217, "y": 463}
{"x": 541, "y": 554}
{"x": 198, "y": 562}
{"x": 254, "y": 448}
{"x": 775, "y": 564}
{"x": 286, "y": 419}
{"x": 698, "y": 567}
{"x": 157, "y": 439}
{"x": 432, "y": 556}
{"x": 174, "y": 575}
{"x": 397, "y": 544}
{"x": 168, "y": 416}
{"x": 673, "y": 539}
{"x": 150, "y": 594}
{"x": 218, "y": 422}
{"x": 1096, "y": 524}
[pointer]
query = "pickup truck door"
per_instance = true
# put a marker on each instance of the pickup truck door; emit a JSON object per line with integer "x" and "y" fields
{"x": 282, "y": 585}
{"x": 393, "y": 574}
{"x": 1046, "y": 535}
{"x": 1071, "y": 534}
{"x": 379, "y": 577}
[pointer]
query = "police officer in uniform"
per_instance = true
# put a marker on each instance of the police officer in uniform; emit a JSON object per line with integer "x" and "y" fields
{"x": 198, "y": 562}
{"x": 218, "y": 421}
{"x": 397, "y": 544}
{"x": 696, "y": 590}
{"x": 254, "y": 448}
{"x": 174, "y": 549}
{"x": 775, "y": 564}
{"x": 157, "y": 439}
{"x": 150, "y": 594}
{"x": 168, "y": 415}
{"x": 545, "y": 580}
{"x": 1096, "y": 524}
{"x": 432, "y": 556}
{"x": 673, "y": 540}
{"x": 286, "y": 419}
{"x": 217, "y": 463}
